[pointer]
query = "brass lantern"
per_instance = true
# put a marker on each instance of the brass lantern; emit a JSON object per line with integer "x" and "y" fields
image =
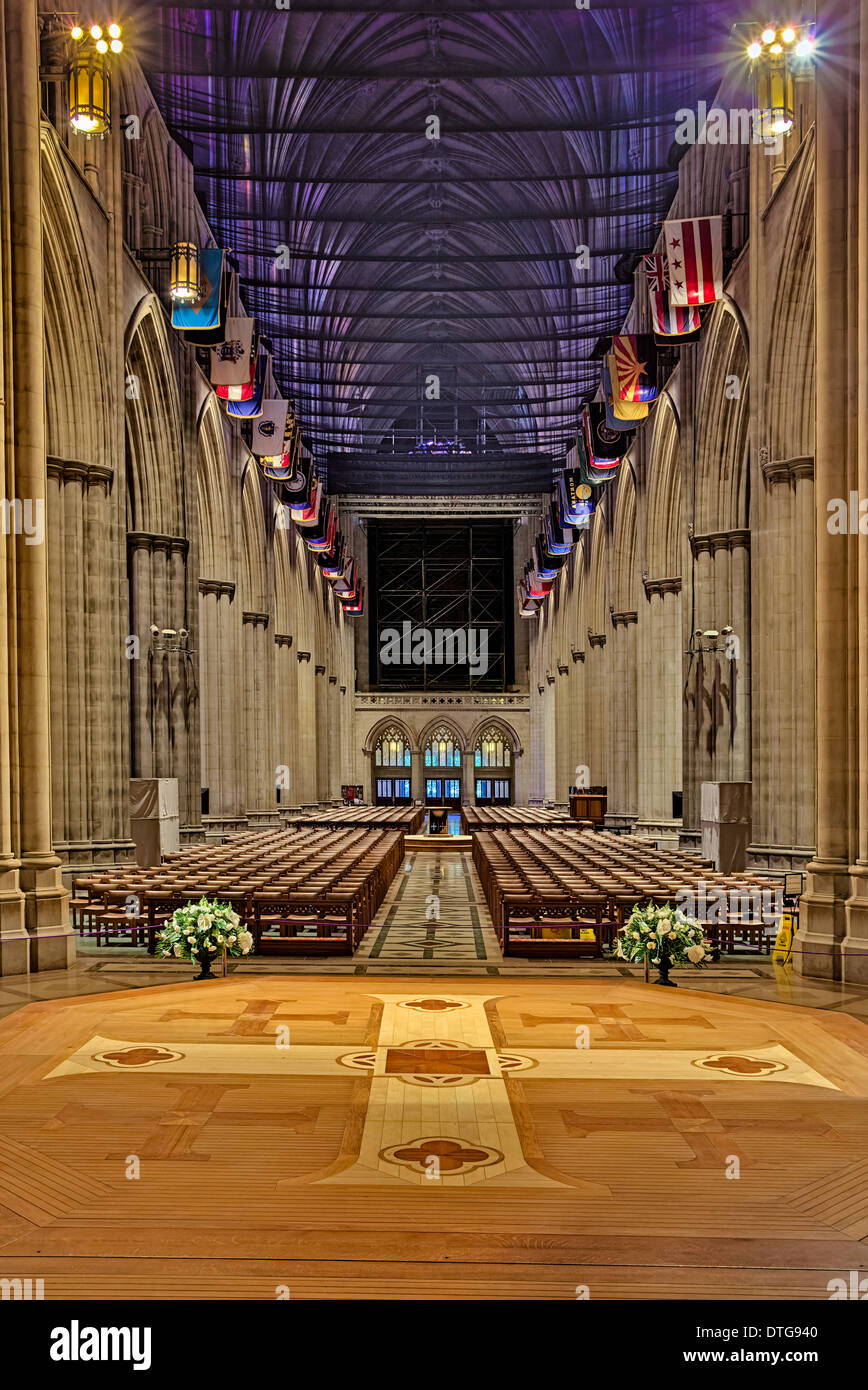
{"x": 775, "y": 94}
{"x": 89, "y": 92}
{"x": 184, "y": 279}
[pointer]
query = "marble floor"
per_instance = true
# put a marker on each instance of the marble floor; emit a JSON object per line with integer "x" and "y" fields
{"x": 433, "y": 921}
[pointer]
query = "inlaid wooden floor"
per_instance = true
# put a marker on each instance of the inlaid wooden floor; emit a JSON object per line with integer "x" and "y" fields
{"x": 343, "y": 1138}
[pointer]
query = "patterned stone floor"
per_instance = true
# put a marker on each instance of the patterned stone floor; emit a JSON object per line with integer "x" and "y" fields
{"x": 434, "y": 911}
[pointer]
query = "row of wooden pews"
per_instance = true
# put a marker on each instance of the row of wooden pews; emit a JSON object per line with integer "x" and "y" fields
{"x": 406, "y": 818}
{"x": 475, "y": 818}
{"x": 310, "y": 891}
{"x": 565, "y": 892}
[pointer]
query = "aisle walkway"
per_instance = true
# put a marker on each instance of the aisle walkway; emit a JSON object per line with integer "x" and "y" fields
{"x": 435, "y": 910}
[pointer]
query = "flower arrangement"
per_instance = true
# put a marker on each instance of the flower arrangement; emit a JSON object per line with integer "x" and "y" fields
{"x": 664, "y": 936}
{"x": 199, "y": 930}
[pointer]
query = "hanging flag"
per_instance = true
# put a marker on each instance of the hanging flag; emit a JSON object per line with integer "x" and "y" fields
{"x": 248, "y": 408}
{"x": 232, "y": 361}
{"x": 620, "y": 415}
{"x": 269, "y": 428}
{"x": 204, "y": 321}
{"x": 527, "y": 607}
{"x": 604, "y": 446}
{"x": 694, "y": 252}
{"x": 322, "y": 536}
{"x": 332, "y": 561}
{"x": 305, "y": 512}
{"x": 203, "y": 314}
{"x": 277, "y": 468}
{"x": 576, "y": 499}
{"x": 667, "y": 322}
{"x": 346, "y": 585}
{"x": 559, "y": 538}
{"x": 296, "y": 489}
{"x": 357, "y": 608}
{"x": 636, "y": 360}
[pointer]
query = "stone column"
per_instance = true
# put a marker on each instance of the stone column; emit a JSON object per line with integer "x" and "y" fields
{"x": 322, "y": 733}
{"x": 46, "y": 902}
{"x": 221, "y": 737}
{"x": 622, "y": 796}
{"x": 307, "y": 724}
{"x": 822, "y": 924}
{"x": 259, "y": 713}
{"x": 287, "y": 741}
{"x": 597, "y": 721}
{"x": 659, "y": 700}
{"x": 417, "y": 776}
{"x": 854, "y": 947}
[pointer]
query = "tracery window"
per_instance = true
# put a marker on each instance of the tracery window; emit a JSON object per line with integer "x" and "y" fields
{"x": 442, "y": 749}
{"x": 493, "y": 749}
{"x": 392, "y": 749}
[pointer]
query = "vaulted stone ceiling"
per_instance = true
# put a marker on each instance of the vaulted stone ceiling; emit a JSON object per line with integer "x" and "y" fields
{"x": 410, "y": 256}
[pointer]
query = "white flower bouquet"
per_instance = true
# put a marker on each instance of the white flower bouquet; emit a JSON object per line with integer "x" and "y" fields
{"x": 201, "y": 930}
{"x": 662, "y": 934}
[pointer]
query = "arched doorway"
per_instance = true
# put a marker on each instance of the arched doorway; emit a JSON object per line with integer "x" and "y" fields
{"x": 443, "y": 764}
{"x": 493, "y": 767}
{"x": 392, "y": 767}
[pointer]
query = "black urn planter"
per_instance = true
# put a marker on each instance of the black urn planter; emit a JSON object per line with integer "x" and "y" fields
{"x": 663, "y": 976}
{"x": 204, "y": 959}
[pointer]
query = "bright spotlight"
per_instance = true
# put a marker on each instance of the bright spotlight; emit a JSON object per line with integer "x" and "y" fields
{"x": 95, "y": 31}
{"x": 754, "y": 50}
{"x": 804, "y": 48}
{"x": 77, "y": 31}
{"x": 768, "y": 35}
{"x": 788, "y": 35}
{"x": 115, "y": 31}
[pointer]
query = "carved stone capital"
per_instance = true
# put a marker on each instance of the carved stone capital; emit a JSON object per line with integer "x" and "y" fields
{"x": 256, "y": 619}
{"x": 74, "y": 470}
{"x": 788, "y": 470}
{"x": 596, "y": 639}
{"x": 739, "y": 538}
{"x": 623, "y": 619}
{"x": 153, "y": 542}
{"x": 577, "y": 656}
{"x": 282, "y": 639}
{"x": 661, "y": 586}
{"x": 320, "y": 670}
{"x": 303, "y": 656}
{"x": 222, "y": 588}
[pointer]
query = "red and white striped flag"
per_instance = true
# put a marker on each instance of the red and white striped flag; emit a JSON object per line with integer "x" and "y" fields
{"x": 694, "y": 252}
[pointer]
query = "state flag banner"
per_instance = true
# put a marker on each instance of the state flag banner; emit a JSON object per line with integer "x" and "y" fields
{"x": 232, "y": 361}
{"x": 203, "y": 320}
{"x": 244, "y": 407}
{"x": 620, "y": 415}
{"x": 603, "y": 444}
{"x": 305, "y": 510}
{"x": 694, "y": 253}
{"x": 269, "y": 429}
{"x": 667, "y": 321}
{"x": 578, "y": 504}
{"x": 636, "y": 361}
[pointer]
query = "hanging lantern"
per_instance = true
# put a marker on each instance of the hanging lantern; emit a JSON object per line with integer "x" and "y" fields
{"x": 184, "y": 279}
{"x": 89, "y": 93}
{"x": 775, "y": 93}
